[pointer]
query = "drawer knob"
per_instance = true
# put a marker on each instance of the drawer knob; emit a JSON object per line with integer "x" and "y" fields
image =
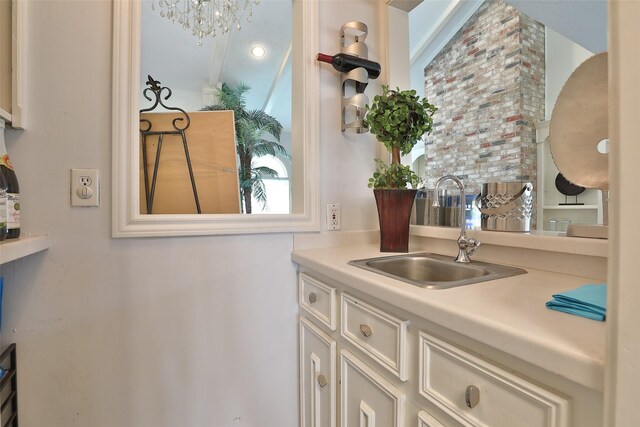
{"x": 322, "y": 381}
{"x": 472, "y": 396}
{"x": 312, "y": 297}
{"x": 366, "y": 330}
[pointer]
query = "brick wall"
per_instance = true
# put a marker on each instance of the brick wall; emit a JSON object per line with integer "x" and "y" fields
{"x": 488, "y": 83}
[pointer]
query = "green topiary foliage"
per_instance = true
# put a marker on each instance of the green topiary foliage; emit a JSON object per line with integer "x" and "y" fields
{"x": 398, "y": 119}
{"x": 393, "y": 175}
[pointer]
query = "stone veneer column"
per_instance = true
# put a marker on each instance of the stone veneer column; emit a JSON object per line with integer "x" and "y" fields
{"x": 488, "y": 83}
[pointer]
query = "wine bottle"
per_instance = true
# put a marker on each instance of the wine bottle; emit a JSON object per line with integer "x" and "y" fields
{"x": 345, "y": 62}
{"x": 3, "y": 207}
{"x": 13, "y": 192}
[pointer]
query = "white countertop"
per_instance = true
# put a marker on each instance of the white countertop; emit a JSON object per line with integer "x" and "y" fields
{"x": 507, "y": 314}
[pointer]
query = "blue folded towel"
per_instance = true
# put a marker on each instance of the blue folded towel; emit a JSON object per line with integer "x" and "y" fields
{"x": 588, "y": 301}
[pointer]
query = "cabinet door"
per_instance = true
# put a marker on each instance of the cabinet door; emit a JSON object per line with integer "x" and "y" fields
{"x": 317, "y": 377}
{"x": 12, "y": 60}
{"x": 367, "y": 399}
{"x": 5, "y": 60}
{"x": 427, "y": 420}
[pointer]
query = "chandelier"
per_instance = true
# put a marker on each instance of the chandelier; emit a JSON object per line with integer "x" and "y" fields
{"x": 206, "y": 17}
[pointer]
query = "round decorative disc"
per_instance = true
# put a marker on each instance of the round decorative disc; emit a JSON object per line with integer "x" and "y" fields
{"x": 579, "y": 122}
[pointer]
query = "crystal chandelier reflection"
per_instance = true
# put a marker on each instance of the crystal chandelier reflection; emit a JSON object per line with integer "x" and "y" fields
{"x": 206, "y": 17}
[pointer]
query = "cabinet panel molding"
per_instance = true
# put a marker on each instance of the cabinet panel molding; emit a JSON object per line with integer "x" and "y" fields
{"x": 427, "y": 420}
{"x": 366, "y": 397}
{"x": 504, "y": 399}
{"x": 318, "y": 299}
{"x": 317, "y": 377}
{"x": 367, "y": 415}
{"x": 381, "y": 335}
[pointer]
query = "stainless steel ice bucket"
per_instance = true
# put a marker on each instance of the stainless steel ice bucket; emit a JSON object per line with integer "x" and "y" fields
{"x": 506, "y": 206}
{"x": 424, "y": 213}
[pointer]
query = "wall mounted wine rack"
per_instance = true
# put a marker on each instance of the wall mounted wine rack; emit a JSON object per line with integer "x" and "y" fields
{"x": 354, "y": 82}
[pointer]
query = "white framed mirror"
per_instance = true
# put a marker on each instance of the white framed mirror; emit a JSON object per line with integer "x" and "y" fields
{"x": 127, "y": 219}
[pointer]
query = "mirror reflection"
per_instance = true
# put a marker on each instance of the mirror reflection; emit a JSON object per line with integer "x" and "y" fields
{"x": 237, "y": 162}
{"x": 495, "y": 69}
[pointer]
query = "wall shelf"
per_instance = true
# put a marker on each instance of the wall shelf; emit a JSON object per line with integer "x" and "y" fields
{"x": 570, "y": 207}
{"x": 11, "y": 250}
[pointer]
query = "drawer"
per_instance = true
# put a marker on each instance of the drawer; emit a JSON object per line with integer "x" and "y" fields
{"x": 367, "y": 399}
{"x": 380, "y": 335}
{"x": 477, "y": 393}
{"x": 318, "y": 299}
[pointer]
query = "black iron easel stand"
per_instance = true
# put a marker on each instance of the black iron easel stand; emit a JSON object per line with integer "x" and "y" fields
{"x": 145, "y": 131}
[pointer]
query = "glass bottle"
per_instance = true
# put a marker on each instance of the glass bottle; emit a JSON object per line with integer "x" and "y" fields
{"x": 344, "y": 62}
{"x": 13, "y": 191}
{"x": 3, "y": 207}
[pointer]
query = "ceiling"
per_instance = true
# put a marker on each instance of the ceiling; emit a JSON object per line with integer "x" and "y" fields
{"x": 434, "y": 22}
{"x": 583, "y": 21}
{"x": 172, "y": 55}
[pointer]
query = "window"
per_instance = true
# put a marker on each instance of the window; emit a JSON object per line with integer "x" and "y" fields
{"x": 276, "y": 188}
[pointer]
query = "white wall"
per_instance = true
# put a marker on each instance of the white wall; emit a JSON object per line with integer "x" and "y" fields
{"x": 431, "y": 25}
{"x": 348, "y": 158}
{"x": 562, "y": 57}
{"x": 623, "y": 293}
{"x": 151, "y": 332}
{"x": 185, "y": 99}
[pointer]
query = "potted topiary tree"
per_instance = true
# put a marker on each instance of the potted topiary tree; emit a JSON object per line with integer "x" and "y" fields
{"x": 398, "y": 119}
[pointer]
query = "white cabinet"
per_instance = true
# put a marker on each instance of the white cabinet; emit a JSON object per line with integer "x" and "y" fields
{"x": 318, "y": 299}
{"x": 317, "y": 377}
{"x": 367, "y": 399}
{"x": 12, "y": 66}
{"x": 385, "y": 368}
{"x": 372, "y": 346}
{"x": 478, "y": 393}
{"x": 380, "y": 335}
{"x": 426, "y": 420}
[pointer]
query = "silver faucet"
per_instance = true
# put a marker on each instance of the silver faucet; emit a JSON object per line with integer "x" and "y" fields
{"x": 466, "y": 245}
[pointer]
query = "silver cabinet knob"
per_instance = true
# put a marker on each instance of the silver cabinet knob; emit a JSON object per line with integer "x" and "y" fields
{"x": 366, "y": 330}
{"x": 322, "y": 381}
{"x": 472, "y": 396}
{"x": 312, "y": 297}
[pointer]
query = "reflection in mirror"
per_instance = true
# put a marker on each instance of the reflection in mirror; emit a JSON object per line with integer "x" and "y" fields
{"x": 495, "y": 72}
{"x": 245, "y": 70}
{"x": 603, "y": 146}
{"x": 266, "y": 63}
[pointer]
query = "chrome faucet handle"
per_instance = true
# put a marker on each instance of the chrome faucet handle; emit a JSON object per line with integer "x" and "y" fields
{"x": 466, "y": 247}
{"x": 473, "y": 245}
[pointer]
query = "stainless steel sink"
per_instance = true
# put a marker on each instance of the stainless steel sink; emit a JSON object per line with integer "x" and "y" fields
{"x": 433, "y": 271}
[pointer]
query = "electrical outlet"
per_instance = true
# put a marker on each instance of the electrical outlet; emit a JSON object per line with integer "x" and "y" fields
{"x": 85, "y": 190}
{"x": 333, "y": 216}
